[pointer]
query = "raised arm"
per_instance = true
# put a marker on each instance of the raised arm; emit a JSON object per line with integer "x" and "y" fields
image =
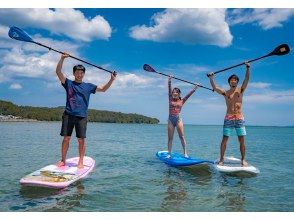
{"x": 60, "y": 75}
{"x": 190, "y": 93}
{"x": 107, "y": 85}
{"x": 247, "y": 77}
{"x": 215, "y": 88}
{"x": 169, "y": 87}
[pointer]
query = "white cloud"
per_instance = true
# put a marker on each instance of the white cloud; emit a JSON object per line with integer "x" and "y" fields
{"x": 190, "y": 26}
{"x": 259, "y": 85}
{"x": 123, "y": 80}
{"x": 3, "y": 78}
{"x": 15, "y": 86}
{"x": 5, "y": 40}
{"x": 271, "y": 97}
{"x": 128, "y": 80}
{"x": 3, "y": 31}
{"x": 65, "y": 21}
{"x": 266, "y": 18}
{"x": 30, "y": 61}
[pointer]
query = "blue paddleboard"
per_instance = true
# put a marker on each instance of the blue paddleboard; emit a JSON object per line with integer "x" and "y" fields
{"x": 178, "y": 160}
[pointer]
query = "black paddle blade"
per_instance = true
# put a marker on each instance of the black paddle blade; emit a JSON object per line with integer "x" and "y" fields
{"x": 283, "y": 49}
{"x": 148, "y": 68}
{"x": 18, "y": 34}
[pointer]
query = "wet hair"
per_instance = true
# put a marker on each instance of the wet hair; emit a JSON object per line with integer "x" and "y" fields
{"x": 233, "y": 77}
{"x": 178, "y": 90}
{"x": 79, "y": 67}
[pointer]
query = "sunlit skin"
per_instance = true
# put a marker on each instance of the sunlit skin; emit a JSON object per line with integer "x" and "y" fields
{"x": 233, "y": 83}
{"x": 233, "y": 98}
{"x": 175, "y": 96}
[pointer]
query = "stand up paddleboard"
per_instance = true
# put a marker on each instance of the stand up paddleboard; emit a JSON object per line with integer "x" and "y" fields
{"x": 52, "y": 176}
{"x": 233, "y": 165}
{"x": 178, "y": 160}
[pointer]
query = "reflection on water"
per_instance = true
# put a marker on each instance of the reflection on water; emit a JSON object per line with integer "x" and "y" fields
{"x": 69, "y": 202}
{"x": 232, "y": 193}
{"x": 131, "y": 178}
{"x": 177, "y": 186}
{"x": 176, "y": 192}
{"x": 50, "y": 199}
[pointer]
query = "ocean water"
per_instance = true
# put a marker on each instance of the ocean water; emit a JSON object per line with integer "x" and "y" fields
{"x": 129, "y": 177}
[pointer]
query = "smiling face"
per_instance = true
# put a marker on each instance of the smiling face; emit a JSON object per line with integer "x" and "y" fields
{"x": 233, "y": 81}
{"x": 79, "y": 75}
{"x": 176, "y": 93}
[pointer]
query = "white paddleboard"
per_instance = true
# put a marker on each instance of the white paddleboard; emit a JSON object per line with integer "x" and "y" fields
{"x": 233, "y": 165}
{"x": 56, "y": 177}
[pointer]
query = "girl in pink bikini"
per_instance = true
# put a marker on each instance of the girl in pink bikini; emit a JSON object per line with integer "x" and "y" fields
{"x": 174, "y": 120}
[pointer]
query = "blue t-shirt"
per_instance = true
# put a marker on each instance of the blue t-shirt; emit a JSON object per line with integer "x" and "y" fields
{"x": 77, "y": 97}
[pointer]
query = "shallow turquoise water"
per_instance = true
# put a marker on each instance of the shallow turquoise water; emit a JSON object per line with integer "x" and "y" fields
{"x": 128, "y": 176}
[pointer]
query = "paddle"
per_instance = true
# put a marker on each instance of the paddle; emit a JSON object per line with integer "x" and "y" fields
{"x": 280, "y": 50}
{"x": 18, "y": 34}
{"x": 148, "y": 68}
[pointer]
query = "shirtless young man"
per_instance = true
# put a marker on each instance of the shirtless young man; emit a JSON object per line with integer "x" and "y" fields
{"x": 234, "y": 118}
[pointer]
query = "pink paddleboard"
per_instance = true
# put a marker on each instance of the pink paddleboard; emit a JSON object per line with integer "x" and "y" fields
{"x": 52, "y": 176}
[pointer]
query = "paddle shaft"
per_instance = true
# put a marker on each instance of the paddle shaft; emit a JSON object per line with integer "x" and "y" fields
{"x": 184, "y": 81}
{"x": 49, "y": 48}
{"x": 240, "y": 64}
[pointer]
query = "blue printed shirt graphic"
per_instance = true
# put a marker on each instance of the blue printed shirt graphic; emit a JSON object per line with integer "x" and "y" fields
{"x": 77, "y": 97}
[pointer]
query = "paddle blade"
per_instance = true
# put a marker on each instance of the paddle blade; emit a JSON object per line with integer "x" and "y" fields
{"x": 283, "y": 49}
{"x": 18, "y": 34}
{"x": 148, "y": 68}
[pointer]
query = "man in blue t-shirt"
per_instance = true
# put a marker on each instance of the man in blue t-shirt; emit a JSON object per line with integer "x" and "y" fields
{"x": 77, "y": 102}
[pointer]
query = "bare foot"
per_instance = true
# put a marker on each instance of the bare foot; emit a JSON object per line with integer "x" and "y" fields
{"x": 244, "y": 163}
{"x": 186, "y": 155}
{"x": 80, "y": 166}
{"x": 60, "y": 164}
{"x": 220, "y": 162}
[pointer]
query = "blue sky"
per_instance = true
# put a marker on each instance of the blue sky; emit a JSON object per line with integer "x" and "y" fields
{"x": 187, "y": 43}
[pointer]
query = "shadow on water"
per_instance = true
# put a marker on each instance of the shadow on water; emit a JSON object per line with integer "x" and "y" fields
{"x": 46, "y": 199}
{"x": 202, "y": 173}
{"x": 242, "y": 175}
{"x": 31, "y": 192}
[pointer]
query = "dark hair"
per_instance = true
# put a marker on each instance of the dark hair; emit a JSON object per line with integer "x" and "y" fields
{"x": 233, "y": 76}
{"x": 79, "y": 67}
{"x": 179, "y": 91}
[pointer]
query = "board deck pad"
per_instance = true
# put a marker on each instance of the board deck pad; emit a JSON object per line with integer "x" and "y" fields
{"x": 53, "y": 176}
{"x": 178, "y": 160}
{"x": 233, "y": 165}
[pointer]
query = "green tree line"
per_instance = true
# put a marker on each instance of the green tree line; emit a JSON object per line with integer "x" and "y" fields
{"x": 55, "y": 114}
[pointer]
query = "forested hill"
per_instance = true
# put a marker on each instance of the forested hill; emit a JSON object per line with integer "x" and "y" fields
{"x": 55, "y": 114}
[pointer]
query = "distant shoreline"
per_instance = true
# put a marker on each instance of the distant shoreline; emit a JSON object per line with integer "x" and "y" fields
{"x": 16, "y": 119}
{"x": 11, "y": 118}
{"x": 13, "y": 113}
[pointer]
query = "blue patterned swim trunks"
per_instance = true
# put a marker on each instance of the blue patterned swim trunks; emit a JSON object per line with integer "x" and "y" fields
{"x": 234, "y": 122}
